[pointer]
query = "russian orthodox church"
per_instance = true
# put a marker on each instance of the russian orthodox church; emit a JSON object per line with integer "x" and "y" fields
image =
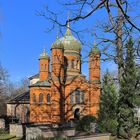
{"x": 60, "y": 92}
{"x": 63, "y": 93}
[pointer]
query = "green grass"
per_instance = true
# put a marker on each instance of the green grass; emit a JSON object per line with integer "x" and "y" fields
{"x": 114, "y": 138}
{"x": 6, "y": 137}
{"x": 15, "y": 139}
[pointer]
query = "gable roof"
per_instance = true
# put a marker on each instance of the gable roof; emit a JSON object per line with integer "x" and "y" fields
{"x": 20, "y": 98}
{"x": 34, "y": 76}
{"x": 45, "y": 83}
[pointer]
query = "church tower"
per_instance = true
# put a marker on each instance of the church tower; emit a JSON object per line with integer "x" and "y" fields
{"x": 57, "y": 82}
{"x": 72, "y": 53}
{"x": 94, "y": 80}
{"x": 44, "y": 61}
{"x": 57, "y": 60}
{"x": 94, "y": 64}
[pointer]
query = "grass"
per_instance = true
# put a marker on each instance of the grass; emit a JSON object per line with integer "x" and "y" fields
{"x": 6, "y": 137}
{"x": 114, "y": 138}
{"x": 15, "y": 139}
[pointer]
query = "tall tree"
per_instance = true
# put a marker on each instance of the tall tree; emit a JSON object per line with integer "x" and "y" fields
{"x": 127, "y": 121}
{"x": 3, "y": 89}
{"x": 107, "y": 119}
{"x": 117, "y": 24}
{"x": 19, "y": 88}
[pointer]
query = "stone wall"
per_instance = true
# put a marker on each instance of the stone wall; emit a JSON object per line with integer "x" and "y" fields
{"x": 32, "y": 132}
{"x": 2, "y": 123}
{"x": 16, "y": 130}
{"x": 63, "y": 133}
{"x": 93, "y": 137}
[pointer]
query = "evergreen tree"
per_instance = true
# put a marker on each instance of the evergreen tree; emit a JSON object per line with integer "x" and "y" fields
{"x": 107, "y": 117}
{"x": 126, "y": 105}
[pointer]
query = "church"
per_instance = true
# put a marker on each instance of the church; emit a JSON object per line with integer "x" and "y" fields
{"x": 60, "y": 92}
{"x": 63, "y": 93}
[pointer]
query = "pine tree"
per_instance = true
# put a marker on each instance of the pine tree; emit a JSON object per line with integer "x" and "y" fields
{"x": 126, "y": 105}
{"x": 107, "y": 120}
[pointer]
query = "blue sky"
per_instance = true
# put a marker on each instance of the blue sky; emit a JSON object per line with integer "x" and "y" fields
{"x": 23, "y": 37}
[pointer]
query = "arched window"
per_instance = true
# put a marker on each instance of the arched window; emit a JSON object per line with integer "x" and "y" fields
{"x": 69, "y": 64}
{"x": 54, "y": 57}
{"x": 75, "y": 64}
{"x": 42, "y": 66}
{"x": 48, "y": 98}
{"x": 45, "y": 66}
{"x": 41, "y": 98}
{"x": 77, "y": 96}
{"x": 82, "y": 97}
{"x": 34, "y": 98}
{"x": 72, "y": 98}
{"x": 72, "y": 64}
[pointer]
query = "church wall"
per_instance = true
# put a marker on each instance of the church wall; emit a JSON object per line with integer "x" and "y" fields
{"x": 44, "y": 69}
{"x": 82, "y": 84}
{"x": 40, "y": 109}
{"x": 94, "y": 98}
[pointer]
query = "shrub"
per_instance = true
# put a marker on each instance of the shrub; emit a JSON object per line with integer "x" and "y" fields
{"x": 84, "y": 123}
{"x": 53, "y": 138}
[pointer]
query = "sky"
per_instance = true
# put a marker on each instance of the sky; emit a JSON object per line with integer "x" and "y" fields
{"x": 23, "y": 37}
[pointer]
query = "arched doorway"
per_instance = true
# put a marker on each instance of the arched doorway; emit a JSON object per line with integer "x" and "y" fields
{"x": 77, "y": 114}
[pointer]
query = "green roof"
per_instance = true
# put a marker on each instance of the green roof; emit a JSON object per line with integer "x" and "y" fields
{"x": 44, "y": 55}
{"x": 95, "y": 50}
{"x": 45, "y": 83}
{"x": 68, "y": 41}
{"x": 57, "y": 44}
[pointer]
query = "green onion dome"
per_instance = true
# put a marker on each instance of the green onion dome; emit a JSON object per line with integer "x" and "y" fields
{"x": 57, "y": 44}
{"x": 94, "y": 50}
{"x": 68, "y": 41}
{"x": 44, "y": 55}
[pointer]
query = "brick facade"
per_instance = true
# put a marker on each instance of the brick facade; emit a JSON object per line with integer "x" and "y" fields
{"x": 63, "y": 93}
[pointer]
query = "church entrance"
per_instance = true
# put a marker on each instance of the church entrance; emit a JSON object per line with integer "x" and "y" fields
{"x": 77, "y": 114}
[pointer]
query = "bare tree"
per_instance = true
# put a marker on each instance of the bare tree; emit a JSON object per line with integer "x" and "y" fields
{"x": 118, "y": 24}
{"x": 19, "y": 88}
{"x": 3, "y": 89}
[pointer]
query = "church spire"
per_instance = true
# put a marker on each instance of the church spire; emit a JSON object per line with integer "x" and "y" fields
{"x": 94, "y": 44}
{"x": 44, "y": 54}
{"x": 95, "y": 50}
{"x": 57, "y": 34}
{"x": 68, "y": 32}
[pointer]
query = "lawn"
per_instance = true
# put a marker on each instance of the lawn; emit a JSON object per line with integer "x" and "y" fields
{"x": 6, "y": 137}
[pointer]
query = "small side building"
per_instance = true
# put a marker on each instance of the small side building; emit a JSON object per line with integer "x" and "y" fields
{"x": 19, "y": 107}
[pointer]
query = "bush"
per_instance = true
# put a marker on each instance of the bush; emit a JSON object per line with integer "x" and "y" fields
{"x": 39, "y": 138}
{"x": 108, "y": 126}
{"x": 54, "y": 138}
{"x": 84, "y": 123}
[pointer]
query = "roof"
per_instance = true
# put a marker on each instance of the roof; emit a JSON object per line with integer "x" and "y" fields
{"x": 95, "y": 50}
{"x": 44, "y": 55}
{"x": 20, "y": 98}
{"x": 45, "y": 83}
{"x": 34, "y": 76}
{"x": 68, "y": 41}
